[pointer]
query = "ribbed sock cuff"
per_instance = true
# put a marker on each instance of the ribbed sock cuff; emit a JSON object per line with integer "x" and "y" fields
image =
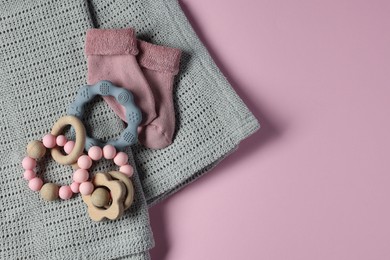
{"x": 111, "y": 42}
{"x": 158, "y": 58}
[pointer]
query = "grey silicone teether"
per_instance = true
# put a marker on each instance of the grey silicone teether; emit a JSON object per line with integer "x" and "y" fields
{"x": 124, "y": 97}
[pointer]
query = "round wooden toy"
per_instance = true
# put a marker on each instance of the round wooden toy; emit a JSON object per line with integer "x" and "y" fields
{"x": 36, "y": 149}
{"x": 100, "y": 197}
{"x": 79, "y": 144}
{"x": 49, "y": 191}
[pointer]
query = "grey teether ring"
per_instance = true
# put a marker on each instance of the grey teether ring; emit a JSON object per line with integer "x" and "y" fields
{"x": 124, "y": 97}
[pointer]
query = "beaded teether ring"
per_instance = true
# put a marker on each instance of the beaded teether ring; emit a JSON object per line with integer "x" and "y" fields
{"x": 50, "y": 191}
{"x": 124, "y": 97}
{"x": 37, "y": 149}
{"x": 99, "y": 197}
{"x": 85, "y": 162}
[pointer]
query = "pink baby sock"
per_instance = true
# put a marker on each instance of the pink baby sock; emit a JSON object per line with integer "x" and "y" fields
{"x": 160, "y": 65}
{"x": 111, "y": 56}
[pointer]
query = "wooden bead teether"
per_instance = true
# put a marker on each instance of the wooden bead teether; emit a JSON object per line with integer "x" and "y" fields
{"x": 36, "y": 150}
{"x": 117, "y": 190}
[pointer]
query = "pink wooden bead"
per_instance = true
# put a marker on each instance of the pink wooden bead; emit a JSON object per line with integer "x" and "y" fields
{"x": 80, "y": 175}
{"x": 65, "y": 192}
{"x": 29, "y": 174}
{"x": 49, "y": 141}
{"x": 35, "y": 184}
{"x": 68, "y": 147}
{"x": 84, "y": 162}
{"x": 127, "y": 170}
{"x": 86, "y": 188}
{"x": 109, "y": 152}
{"x": 95, "y": 152}
{"x": 121, "y": 159}
{"x": 29, "y": 163}
{"x": 61, "y": 140}
{"x": 75, "y": 187}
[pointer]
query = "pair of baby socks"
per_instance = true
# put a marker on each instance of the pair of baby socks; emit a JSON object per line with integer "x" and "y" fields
{"x": 146, "y": 69}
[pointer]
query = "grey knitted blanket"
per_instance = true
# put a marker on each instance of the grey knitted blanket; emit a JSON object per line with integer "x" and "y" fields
{"x": 42, "y": 64}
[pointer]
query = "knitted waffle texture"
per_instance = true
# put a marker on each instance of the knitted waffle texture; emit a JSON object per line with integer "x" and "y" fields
{"x": 42, "y": 66}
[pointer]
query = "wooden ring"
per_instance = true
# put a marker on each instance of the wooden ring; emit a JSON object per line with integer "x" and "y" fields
{"x": 129, "y": 197}
{"x": 79, "y": 143}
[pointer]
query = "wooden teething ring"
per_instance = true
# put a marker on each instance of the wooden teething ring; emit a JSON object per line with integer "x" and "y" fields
{"x": 79, "y": 143}
{"x": 129, "y": 197}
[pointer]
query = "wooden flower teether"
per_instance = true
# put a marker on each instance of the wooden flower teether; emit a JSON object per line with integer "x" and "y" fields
{"x": 117, "y": 190}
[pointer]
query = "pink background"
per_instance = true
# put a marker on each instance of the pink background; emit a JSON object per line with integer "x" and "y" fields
{"x": 314, "y": 182}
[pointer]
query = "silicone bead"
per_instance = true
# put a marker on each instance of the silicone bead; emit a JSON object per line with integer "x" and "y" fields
{"x": 75, "y": 187}
{"x": 36, "y": 149}
{"x": 127, "y": 170}
{"x": 28, "y": 163}
{"x": 61, "y": 140}
{"x": 49, "y": 191}
{"x": 29, "y": 174}
{"x": 109, "y": 152}
{"x": 121, "y": 159}
{"x": 65, "y": 192}
{"x": 80, "y": 175}
{"x": 86, "y": 188}
{"x": 49, "y": 141}
{"x": 84, "y": 162}
{"x": 68, "y": 147}
{"x": 95, "y": 153}
{"x": 35, "y": 184}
